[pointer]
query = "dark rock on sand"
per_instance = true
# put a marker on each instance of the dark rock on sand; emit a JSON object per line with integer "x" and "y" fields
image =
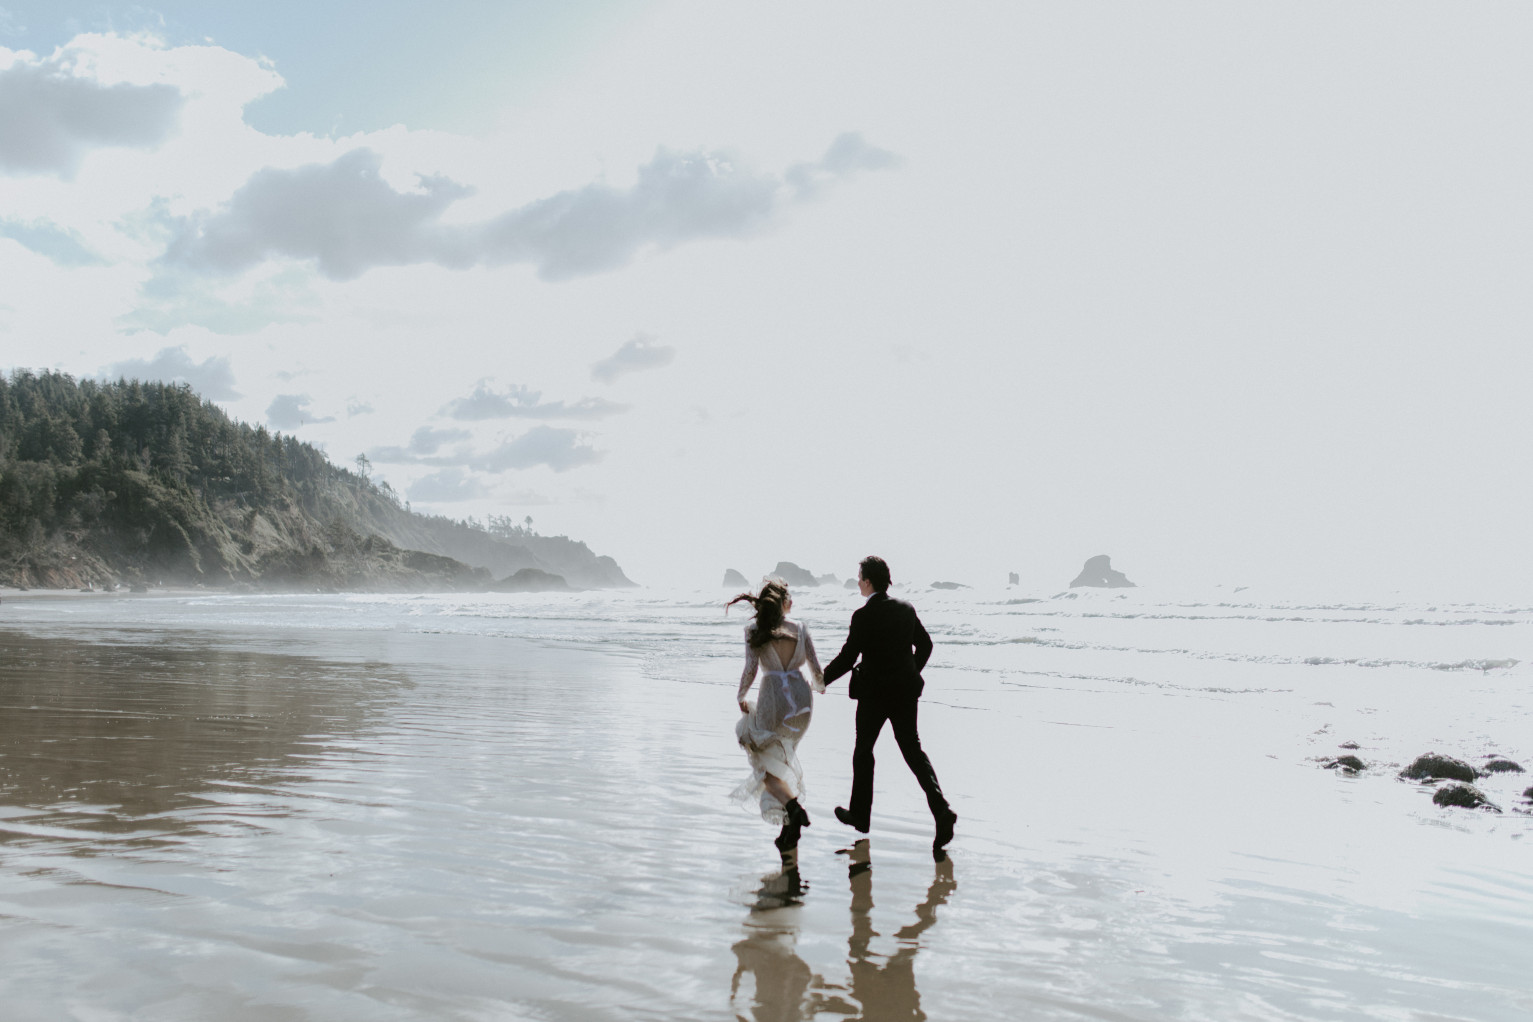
{"x": 734, "y": 578}
{"x": 531, "y": 580}
{"x": 1466, "y": 796}
{"x": 1098, "y": 572}
{"x": 1348, "y": 745}
{"x": 1528, "y": 794}
{"x": 1432, "y": 766}
{"x": 1502, "y": 766}
{"x": 1348, "y": 764}
{"x": 949, "y": 585}
{"x": 793, "y": 575}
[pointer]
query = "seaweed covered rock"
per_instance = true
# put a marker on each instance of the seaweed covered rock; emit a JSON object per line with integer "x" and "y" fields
{"x": 1502, "y": 766}
{"x": 1466, "y": 796}
{"x": 1347, "y": 765}
{"x": 1431, "y": 766}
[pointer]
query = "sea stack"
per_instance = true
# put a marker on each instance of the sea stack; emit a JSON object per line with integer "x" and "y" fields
{"x": 733, "y": 578}
{"x": 1099, "y": 573}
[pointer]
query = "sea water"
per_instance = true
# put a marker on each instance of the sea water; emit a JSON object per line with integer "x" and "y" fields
{"x": 514, "y": 806}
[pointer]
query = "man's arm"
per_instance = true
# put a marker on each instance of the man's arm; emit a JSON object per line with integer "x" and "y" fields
{"x": 923, "y": 642}
{"x": 848, "y": 655}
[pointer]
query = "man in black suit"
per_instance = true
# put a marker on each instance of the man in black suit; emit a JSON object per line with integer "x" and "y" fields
{"x": 887, "y": 684}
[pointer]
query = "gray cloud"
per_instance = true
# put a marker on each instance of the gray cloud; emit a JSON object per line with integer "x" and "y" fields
{"x": 289, "y": 411}
{"x": 355, "y": 408}
{"x": 427, "y": 440}
{"x": 524, "y": 403}
{"x": 448, "y": 486}
{"x": 50, "y": 117}
{"x": 48, "y": 239}
{"x": 346, "y": 218}
{"x": 559, "y": 449}
{"x": 641, "y": 352}
{"x": 213, "y": 377}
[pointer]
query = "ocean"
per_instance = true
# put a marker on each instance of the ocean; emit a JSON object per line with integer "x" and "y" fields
{"x": 515, "y": 806}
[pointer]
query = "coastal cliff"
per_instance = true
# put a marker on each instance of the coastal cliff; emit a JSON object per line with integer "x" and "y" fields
{"x": 131, "y": 482}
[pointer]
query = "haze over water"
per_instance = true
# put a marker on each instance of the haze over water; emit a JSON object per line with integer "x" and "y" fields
{"x": 515, "y": 807}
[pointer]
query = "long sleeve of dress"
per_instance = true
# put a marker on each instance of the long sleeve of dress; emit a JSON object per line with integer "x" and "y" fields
{"x": 748, "y": 676}
{"x": 812, "y": 661}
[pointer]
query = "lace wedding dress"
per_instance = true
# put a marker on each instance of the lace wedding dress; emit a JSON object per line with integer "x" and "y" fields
{"x": 770, "y": 732}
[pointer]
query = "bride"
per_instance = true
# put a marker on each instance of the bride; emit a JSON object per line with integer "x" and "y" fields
{"x": 770, "y": 730}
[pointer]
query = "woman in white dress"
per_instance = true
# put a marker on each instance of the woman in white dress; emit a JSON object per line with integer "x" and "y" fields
{"x": 771, "y": 728}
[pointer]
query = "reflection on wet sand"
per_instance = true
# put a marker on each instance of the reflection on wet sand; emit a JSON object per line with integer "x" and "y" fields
{"x": 115, "y": 741}
{"x": 879, "y": 987}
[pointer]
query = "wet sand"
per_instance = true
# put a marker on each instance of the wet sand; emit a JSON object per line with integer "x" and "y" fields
{"x": 276, "y": 823}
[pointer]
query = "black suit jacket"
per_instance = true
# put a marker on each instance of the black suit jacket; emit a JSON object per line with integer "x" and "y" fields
{"x": 893, "y": 645}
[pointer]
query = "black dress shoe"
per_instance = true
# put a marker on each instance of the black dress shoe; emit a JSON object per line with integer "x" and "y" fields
{"x": 851, "y": 821}
{"x": 944, "y": 830}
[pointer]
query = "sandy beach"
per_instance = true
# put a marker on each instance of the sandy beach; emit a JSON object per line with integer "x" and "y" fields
{"x": 516, "y": 808}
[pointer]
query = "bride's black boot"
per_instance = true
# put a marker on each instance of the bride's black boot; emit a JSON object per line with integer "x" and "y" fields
{"x": 787, "y": 838}
{"x": 796, "y": 814}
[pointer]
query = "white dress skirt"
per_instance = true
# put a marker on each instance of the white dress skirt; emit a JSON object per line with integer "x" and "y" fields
{"x": 770, "y": 732}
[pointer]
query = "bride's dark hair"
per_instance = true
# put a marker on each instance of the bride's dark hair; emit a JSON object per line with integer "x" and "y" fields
{"x": 769, "y": 604}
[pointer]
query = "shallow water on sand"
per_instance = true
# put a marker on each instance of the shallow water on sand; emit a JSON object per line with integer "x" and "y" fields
{"x": 491, "y": 808}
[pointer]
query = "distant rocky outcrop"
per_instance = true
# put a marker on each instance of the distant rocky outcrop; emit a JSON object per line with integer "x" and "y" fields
{"x": 1012, "y": 579}
{"x": 827, "y": 580}
{"x": 531, "y": 580}
{"x": 734, "y": 580}
{"x": 1432, "y": 766}
{"x": 793, "y": 575}
{"x": 949, "y": 585}
{"x": 1098, "y": 573}
{"x": 851, "y": 583}
{"x": 1465, "y": 796}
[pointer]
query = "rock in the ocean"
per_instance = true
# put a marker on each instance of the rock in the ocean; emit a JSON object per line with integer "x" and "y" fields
{"x": 531, "y": 580}
{"x": 1347, "y": 764}
{"x": 1012, "y": 579}
{"x": 1466, "y": 796}
{"x": 1528, "y": 794}
{"x": 734, "y": 578}
{"x": 828, "y": 580}
{"x": 1431, "y": 765}
{"x": 793, "y": 575}
{"x": 1099, "y": 573}
{"x": 949, "y": 585}
{"x": 1502, "y": 766}
{"x": 1348, "y": 745}
{"x": 851, "y": 583}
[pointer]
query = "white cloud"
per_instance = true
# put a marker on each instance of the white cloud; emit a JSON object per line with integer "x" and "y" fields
{"x": 524, "y": 403}
{"x": 289, "y": 411}
{"x": 52, "y": 112}
{"x": 641, "y": 352}
{"x": 427, "y": 440}
{"x": 213, "y": 378}
{"x": 348, "y": 219}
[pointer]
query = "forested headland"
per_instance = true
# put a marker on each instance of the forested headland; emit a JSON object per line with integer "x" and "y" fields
{"x": 131, "y": 482}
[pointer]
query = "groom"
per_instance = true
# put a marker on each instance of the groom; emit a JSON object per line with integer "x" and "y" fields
{"x": 894, "y": 648}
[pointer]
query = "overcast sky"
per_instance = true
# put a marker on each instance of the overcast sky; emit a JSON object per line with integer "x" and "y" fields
{"x": 1235, "y": 293}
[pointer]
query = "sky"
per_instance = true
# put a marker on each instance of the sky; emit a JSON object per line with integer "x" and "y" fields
{"x": 1234, "y": 293}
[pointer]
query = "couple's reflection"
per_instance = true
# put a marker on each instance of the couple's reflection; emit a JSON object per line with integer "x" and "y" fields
{"x": 879, "y": 987}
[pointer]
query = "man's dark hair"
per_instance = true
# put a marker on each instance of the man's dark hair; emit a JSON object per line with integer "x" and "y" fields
{"x": 875, "y": 571}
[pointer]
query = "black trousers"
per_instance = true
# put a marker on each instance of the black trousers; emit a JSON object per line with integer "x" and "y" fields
{"x": 872, "y": 712}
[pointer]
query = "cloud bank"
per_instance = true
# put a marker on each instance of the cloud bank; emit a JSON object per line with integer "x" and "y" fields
{"x": 51, "y": 116}
{"x": 524, "y": 403}
{"x": 59, "y": 244}
{"x": 557, "y": 448}
{"x": 213, "y": 378}
{"x": 641, "y": 352}
{"x": 347, "y": 219}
